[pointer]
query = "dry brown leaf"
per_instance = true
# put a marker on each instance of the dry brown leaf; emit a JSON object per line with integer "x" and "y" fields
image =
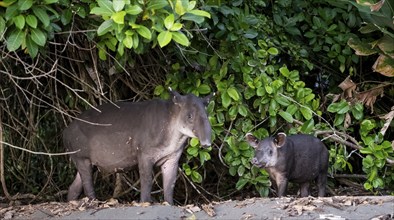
{"x": 348, "y": 120}
{"x": 348, "y": 87}
{"x": 388, "y": 118}
{"x": 209, "y": 209}
{"x": 368, "y": 97}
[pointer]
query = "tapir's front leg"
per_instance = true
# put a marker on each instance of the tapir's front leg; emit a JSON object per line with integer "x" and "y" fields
{"x": 145, "y": 169}
{"x": 169, "y": 171}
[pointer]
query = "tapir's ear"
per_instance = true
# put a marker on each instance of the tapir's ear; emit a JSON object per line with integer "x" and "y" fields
{"x": 280, "y": 139}
{"x": 252, "y": 140}
{"x": 175, "y": 96}
{"x": 207, "y": 98}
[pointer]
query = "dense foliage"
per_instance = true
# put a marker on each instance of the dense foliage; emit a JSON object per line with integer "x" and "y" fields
{"x": 287, "y": 65}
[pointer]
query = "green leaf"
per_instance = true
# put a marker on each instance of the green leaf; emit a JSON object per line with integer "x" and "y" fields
{"x": 118, "y": 17}
{"x": 144, "y": 32}
{"x": 107, "y": 5}
{"x": 38, "y": 37}
{"x": 361, "y": 48}
{"x": 179, "y": 9}
{"x": 273, "y": 51}
{"x": 42, "y": 15}
{"x": 164, "y": 38}
{"x": 128, "y": 41}
{"x": 196, "y": 177}
{"x": 25, "y": 4}
{"x": 306, "y": 112}
{"x": 284, "y": 71}
{"x": 241, "y": 183}
{"x": 19, "y": 21}
{"x": 243, "y": 110}
{"x": 101, "y": 11}
{"x": 176, "y": 27}
{"x": 32, "y": 47}
{"x": 194, "y": 18}
{"x": 308, "y": 126}
{"x": 169, "y": 21}
{"x": 134, "y": 10}
{"x": 106, "y": 26}
{"x": 194, "y": 142}
{"x": 14, "y": 41}
{"x": 204, "y": 89}
{"x": 48, "y": 2}
{"x": 287, "y": 116}
{"x": 180, "y": 38}
{"x": 226, "y": 99}
{"x": 193, "y": 151}
{"x": 241, "y": 170}
{"x": 118, "y": 5}
{"x": 233, "y": 93}
{"x": 157, "y": 4}
{"x": 200, "y": 13}
{"x": 2, "y": 26}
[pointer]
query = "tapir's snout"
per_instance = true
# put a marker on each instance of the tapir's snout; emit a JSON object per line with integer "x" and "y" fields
{"x": 258, "y": 163}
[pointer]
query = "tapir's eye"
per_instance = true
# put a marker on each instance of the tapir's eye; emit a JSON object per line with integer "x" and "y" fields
{"x": 270, "y": 152}
{"x": 189, "y": 116}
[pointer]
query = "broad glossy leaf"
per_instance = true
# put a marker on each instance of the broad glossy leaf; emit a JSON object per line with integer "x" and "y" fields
{"x": 157, "y": 4}
{"x": 2, "y": 26}
{"x": 118, "y": 5}
{"x": 101, "y": 11}
{"x": 105, "y": 27}
{"x": 32, "y": 47}
{"x": 169, "y": 21}
{"x": 308, "y": 126}
{"x": 42, "y": 15}
{"x": 47, "y": 2}
{"x": 144, "y": 32}
{"x": 179, "y": 9}
{"x": 273, "y": 51}
{"x": 204, "y": 89}
{"x": 14, "y": 41}
{"x": 164, "y": 38}
{"x": 243, "y": 110}
{"x": 361, "y": 48}
{"x": 176, "y": 27}
{"x": 226, "y": 99}
{"x": 200, "y": 13}
{"x": 25, "y": 4}
{"x": 118, "y": 17}
{"x": 233, "y": 93}
{"x": 11, "y": 12}
{"x": 196, "y": 177}
{"x": 128, "y": 41}
{"x": 38, "y": 37}
{"x": 106, "y": 4}
{"x": 241, "y": 183}
{"x": 134, "y": 10}
{"x": 19, "y": 21}
{"x": 31, "y": 20}
{"x": 287, "y": 116}
{"x": 180, "y": 38}
{"x": 306, "y": 112}
{"x": 194, "y": 18}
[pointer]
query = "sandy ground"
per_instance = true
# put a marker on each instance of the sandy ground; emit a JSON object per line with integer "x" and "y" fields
{"x": 332, "y": 208}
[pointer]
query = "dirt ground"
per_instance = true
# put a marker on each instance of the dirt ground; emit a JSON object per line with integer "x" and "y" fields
{"x": 331, "y": 208}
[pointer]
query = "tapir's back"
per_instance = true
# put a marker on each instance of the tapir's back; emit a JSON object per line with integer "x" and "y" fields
{"x": 310, "y": 156}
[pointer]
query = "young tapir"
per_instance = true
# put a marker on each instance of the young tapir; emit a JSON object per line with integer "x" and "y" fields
{"x": 129, "y": 134}
{"x": 298, "y": 158}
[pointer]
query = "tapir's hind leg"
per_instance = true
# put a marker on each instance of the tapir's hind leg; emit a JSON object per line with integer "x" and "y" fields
{"x": 321, "y": 184}
{"x": 83, "y": 180}
{"x": 75, "y": 188}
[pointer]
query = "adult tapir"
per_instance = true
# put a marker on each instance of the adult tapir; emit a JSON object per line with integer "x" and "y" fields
{"x": 130, "y": 134}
